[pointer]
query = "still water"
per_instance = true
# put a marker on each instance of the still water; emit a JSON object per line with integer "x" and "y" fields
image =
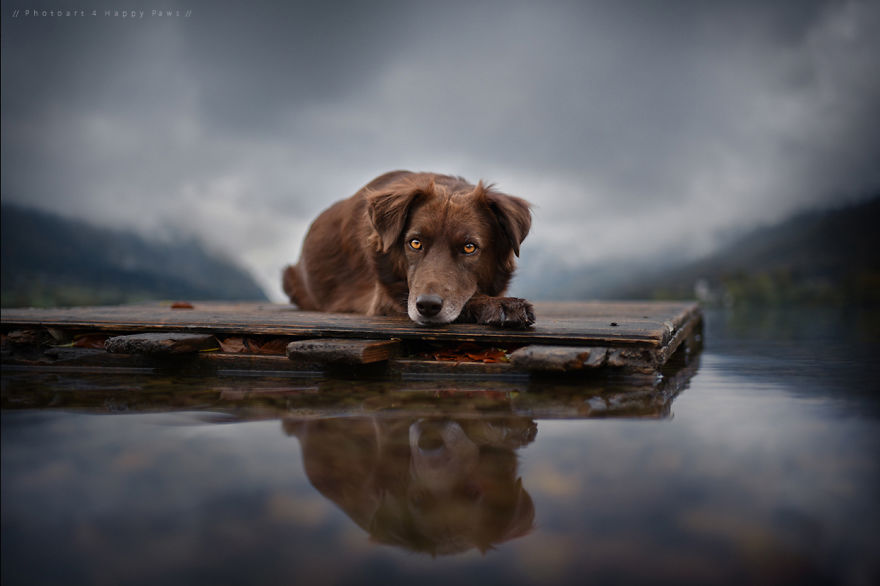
{"x": 761, "y": 466}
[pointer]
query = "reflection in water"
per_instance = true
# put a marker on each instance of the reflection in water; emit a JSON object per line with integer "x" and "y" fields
{"x": 757, "y": 462}
{"x": 434, "y": 485}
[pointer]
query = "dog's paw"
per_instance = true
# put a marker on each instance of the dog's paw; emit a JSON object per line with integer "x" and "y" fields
{"x": 502, "y": 312}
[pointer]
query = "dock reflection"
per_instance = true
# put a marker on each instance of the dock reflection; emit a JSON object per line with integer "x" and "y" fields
{"x": 429, "y": 466}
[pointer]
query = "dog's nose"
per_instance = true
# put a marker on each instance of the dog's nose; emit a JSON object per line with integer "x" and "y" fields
{"x": 429, "y": 305}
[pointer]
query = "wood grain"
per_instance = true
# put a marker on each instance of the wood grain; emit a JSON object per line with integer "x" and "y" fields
{"x": 643, "y": 324}
{"x": 160, "y": 343}
{"x": 558, "y": 358}
{"x": 568, "y": 336}
{"x": 342, "y": 351}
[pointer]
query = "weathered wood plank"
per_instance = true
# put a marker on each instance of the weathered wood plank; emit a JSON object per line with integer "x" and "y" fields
{"x": 558, "y": 358}
{"x": 160, "y": 343}
{"x": 615, "y": 324}
{"x": 342, "y": 351}
{"x": 569, "y": 336}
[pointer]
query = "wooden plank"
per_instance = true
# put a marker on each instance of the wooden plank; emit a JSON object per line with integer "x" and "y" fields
{"x": 600, "y": 324}
{"x": 569, "y": 336}
{"x": 558, "y": 358}
{"x": 342, "y": 351}
{"x": 160, "y": 343}
{"x": 529, "y": 359}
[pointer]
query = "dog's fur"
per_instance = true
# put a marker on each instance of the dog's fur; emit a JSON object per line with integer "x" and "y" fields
{"x": 402, "y": 244}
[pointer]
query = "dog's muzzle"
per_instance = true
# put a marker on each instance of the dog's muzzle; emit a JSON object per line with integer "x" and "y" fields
{"x": 432, "y": 309}
{"x": 429, "y": 305}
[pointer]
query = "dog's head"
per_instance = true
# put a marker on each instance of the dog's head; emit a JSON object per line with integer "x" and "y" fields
{"x": 450, "y": 240}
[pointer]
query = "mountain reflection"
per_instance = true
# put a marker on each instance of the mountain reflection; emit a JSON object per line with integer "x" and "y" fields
{"x": 434, "y": 485}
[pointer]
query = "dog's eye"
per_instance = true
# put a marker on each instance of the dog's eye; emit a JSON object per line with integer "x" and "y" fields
{"x": 415, "y": 244}
{"x": 469, "y": 248}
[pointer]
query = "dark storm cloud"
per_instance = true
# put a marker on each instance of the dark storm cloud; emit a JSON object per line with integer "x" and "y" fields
{"x": 643, "y": 125}
{"x": 255, "y": 62}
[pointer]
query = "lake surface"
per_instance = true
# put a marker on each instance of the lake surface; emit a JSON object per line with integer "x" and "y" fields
{"x": 761, "y": 465}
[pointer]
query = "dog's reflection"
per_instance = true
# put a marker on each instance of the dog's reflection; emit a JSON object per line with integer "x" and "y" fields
{"x": 439, "y": 486}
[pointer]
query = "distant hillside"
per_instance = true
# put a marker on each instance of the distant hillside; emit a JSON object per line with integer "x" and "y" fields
{"x": 831, "y": 256}
{"x": 50, "y": 261}
{"x": 823, "y": 257}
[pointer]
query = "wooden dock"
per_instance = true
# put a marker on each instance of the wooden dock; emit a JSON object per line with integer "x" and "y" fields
{"x": 569, "y": 338}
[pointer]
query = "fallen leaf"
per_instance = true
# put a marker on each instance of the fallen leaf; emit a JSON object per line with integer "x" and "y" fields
{"x": 182, "y": 305}
{"x": 243, "y": 345}
{"x": 233, "y": 345}
{"x": 272, "y": 346}
{"x": 469, "y": 352}
{"x": 90, "y": 341}
{"x": 489, "y": 355}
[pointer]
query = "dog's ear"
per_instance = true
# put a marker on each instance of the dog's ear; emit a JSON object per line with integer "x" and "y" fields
{"x": 389, "y": 207}
{"x": 513, "y": 214}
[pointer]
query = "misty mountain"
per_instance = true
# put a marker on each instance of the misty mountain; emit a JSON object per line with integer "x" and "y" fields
{"x": 48, "y": 260}
{"x": 828, "y": 256}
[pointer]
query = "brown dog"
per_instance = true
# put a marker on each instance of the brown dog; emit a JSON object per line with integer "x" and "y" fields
{"x": 432, "y": 246}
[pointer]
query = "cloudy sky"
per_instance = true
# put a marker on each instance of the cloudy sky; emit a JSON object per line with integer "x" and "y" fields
{"x": 636, "y": 128}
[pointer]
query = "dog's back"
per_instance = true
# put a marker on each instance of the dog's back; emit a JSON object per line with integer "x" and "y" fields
{"x": 335, "y": 272}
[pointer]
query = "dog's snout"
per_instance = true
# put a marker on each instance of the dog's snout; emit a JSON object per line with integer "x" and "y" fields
{"x": 429, "y": 305}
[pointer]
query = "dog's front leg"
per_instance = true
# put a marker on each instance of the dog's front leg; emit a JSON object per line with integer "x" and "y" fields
{"x": 502, "y": 312}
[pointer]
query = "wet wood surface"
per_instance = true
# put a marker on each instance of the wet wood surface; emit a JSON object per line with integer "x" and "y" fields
{"x": 639, "y": 337}
{"x": 558, "y": 358}
{"x": 608, "y": 324}
{"x": 342, "y": 351}
{"x": 167, "y": 343}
